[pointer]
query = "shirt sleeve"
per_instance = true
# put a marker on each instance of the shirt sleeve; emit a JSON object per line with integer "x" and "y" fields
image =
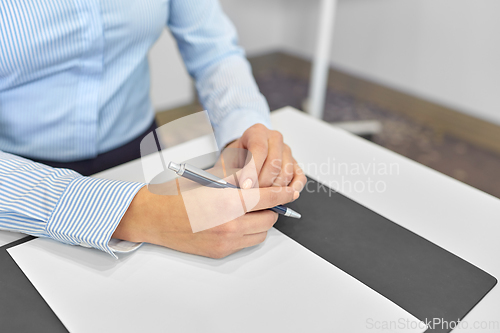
{"x": 61, "y": 204}
{"x": 208, "y": 43}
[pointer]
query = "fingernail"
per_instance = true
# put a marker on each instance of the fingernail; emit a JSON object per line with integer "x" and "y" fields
{"x": 296, "y": 195}
{"x": 247, "y": 184}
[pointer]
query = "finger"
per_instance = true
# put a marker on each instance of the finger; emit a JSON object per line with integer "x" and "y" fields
{"x": 252, "y": 240}
{"x": 299, "y": 178}
{"x": 233, "y": 157}
{"x": 287, "y": 168}
{"x": 234, "y": 162}
{"x": 257, "y": 222}
{"x": 258, "y": 147}
{"x": 248, "y": 175}
{"x": 269, "y": 197}
{"x": 272, "y": 165}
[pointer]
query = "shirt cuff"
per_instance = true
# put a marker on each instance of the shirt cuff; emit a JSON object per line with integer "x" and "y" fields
{"x": 121, "y": 246}
{"x": 236, "y": 123}
{"x": 89, "y": 211}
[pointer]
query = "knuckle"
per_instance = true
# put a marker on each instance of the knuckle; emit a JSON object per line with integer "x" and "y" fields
{"x": 278, "y": 182}
{"x": 266, "y": 183}
{"x": 277, "y": 135}
{"x": 258, "y": 127}
{"x": 288, "y": 174}
{"x": 287, "y": 178}
{"x": 276, "y": 166}
{"x": 274, "y": 196}
{"x": 275, "y": 161}
{"x": 259, "y": 146}
{"x": 281, "y": 180}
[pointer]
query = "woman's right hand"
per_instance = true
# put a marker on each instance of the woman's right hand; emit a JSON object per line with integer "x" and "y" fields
{"x": 164, "y": 220}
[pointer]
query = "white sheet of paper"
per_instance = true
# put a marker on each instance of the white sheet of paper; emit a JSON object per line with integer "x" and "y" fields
{"x": 278, "y": 286}
{"x": 7, "y": 237}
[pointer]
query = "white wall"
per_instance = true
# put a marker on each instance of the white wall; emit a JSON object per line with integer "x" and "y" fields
{"x": 446, "y": 51}
{"x": 261, "y": 24}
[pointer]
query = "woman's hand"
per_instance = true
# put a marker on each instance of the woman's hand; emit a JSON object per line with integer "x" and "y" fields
{"x": 273, "y": 159}
{"x": 163, "y": 220}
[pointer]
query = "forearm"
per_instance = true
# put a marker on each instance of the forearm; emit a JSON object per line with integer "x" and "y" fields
{"x": 229, "y": 92}
{"x": 208, "y": 43}
{"x": 138, "y": 224}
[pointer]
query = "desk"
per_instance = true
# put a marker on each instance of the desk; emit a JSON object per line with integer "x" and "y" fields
{"x": 457, "y": 217}
{"x": 7, "y": 237}
{"x": 451, "y": 214}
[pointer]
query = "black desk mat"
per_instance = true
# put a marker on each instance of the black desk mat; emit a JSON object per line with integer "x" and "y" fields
{"x": 22, "y": 309}
{"x": 419, "y": 276}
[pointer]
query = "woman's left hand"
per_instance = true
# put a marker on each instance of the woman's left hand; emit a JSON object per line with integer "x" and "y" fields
{"x": 273, "y": 159}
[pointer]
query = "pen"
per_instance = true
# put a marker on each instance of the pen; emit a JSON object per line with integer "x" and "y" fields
{"x": 207, "y": 179}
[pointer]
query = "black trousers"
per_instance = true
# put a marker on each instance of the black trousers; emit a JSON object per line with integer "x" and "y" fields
{"x": 128, "y": 152}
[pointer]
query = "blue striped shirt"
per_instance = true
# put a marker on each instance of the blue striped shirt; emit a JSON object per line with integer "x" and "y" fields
{"x": 74, "y": 82}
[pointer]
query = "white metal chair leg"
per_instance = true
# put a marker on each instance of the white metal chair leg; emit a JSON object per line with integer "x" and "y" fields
{"x": 315, "y": 104}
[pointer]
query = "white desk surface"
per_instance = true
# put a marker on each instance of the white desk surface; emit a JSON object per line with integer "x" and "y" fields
{"x": 451, "y": 214}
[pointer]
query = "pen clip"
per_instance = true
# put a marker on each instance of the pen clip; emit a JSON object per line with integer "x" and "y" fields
{"x": 180, "y": 169}
{"x": 204, "y": 174}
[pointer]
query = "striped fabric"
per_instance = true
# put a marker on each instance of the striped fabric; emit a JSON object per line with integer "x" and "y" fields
{"x": 74, "y": 82}
{"x": 60, "y": 203}
{"x": 74, "y": 77}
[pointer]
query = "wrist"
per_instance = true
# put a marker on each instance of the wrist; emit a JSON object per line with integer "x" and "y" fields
{"x": 151, "y": 218}
{"x": 134, "y": 223}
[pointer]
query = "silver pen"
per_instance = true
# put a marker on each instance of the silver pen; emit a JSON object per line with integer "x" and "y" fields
{"x": 207, "y": 179}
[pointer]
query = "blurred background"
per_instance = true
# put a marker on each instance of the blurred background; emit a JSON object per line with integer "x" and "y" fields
{"x": 427, "y": 71}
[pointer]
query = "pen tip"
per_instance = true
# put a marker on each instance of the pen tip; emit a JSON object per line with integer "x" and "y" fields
{"x": 294, "y": 214}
